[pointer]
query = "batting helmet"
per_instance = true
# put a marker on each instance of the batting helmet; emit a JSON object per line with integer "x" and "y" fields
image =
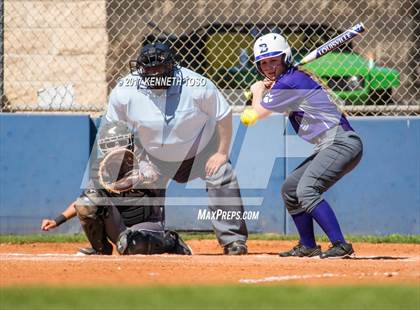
{"x": 154, "y": 60}
{"x": 272, "y": 45}
{"x": 115, "y": 135}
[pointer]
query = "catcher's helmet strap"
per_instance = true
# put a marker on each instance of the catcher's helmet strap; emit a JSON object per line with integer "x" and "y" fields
{"x": 114, "y": 135}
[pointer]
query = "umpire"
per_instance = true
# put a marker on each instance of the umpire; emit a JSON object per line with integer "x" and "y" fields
{"x": 185, "y": 126}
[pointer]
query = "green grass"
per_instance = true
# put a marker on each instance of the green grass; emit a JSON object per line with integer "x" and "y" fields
{"x": 239, "y": 297}
{"x": 393, "y": 238}
{"x": 21, "y": 239}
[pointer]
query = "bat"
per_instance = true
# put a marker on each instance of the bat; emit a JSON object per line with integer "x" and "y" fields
{"x": 332, "y": 44}
{"x": 325, "y": 48}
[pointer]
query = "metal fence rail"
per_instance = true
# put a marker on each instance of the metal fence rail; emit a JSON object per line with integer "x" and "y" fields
{"x": 67, "y": 55}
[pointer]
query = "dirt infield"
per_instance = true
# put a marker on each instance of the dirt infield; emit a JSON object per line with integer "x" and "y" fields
{"x": 57, "y": 264}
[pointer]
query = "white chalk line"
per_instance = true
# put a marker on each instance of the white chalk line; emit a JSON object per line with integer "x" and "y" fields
{"x": 79, "y": 256}
{"x": 71, "y": 257}
{"x": 291, "y": 277}
{"x": 355, "y": 257}
{"x": 321, "y": 276}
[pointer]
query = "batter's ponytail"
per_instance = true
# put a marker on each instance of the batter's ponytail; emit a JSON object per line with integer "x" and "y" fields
{"x": 334, "y": 98}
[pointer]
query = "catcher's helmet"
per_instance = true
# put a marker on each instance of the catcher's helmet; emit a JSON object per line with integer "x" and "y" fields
{"x": 272, "y": 45}
{"x": 154, "y": 60}
{"x": 115, "y": 135}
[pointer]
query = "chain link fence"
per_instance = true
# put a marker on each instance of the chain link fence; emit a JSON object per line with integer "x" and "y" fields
{"x": 68, "y": 55}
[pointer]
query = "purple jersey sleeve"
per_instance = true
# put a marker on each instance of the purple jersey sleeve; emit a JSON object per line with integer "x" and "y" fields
{"x": 310, "y": 109}
{"x": 289, "y": 90}
{"x": 281, "y": 98}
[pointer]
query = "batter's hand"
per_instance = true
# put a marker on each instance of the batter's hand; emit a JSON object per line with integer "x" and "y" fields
{"x": 268, "y": 83}
{"x": 215, "y": 162}
{"x": 260, "y": 87}
{"x": 48, "y": 224}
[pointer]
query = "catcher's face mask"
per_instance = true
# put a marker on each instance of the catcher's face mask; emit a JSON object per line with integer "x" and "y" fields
{"x": 154, "y": 61}
{"x": 111, "y": 143}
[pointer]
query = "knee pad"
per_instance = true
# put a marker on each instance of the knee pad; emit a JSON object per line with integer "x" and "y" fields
{"x": 85, "y": 210}
{"x": 87, "y": 205}
{"x": 144, "y": 242}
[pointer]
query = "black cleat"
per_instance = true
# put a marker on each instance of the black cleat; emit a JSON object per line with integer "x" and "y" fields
{"x": 181, "y": 247}
{"x": 301, "y": 250}
{"x": 92, "y": 251}
{"x": 338, "y": 250}
{"x": 236, "y": 248}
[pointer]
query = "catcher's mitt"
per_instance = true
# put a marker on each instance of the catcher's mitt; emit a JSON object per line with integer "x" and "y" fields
{"x": 119, "y": 171}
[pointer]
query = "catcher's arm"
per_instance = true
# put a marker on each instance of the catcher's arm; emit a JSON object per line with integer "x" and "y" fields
{"x": 67, "y": 214}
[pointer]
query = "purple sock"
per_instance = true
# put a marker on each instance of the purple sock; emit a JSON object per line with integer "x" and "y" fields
{"x": 325, "y": 217}
{"x": 305, "y": 227}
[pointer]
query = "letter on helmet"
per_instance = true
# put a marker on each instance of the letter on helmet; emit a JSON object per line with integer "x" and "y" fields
{"x": 272, "y": 45}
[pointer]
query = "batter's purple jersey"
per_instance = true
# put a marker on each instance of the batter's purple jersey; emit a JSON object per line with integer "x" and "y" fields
{"x": 310, "y": 109}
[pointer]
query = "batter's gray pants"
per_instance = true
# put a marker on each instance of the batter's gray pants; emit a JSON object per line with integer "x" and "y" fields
{"x": 303, "y": 188}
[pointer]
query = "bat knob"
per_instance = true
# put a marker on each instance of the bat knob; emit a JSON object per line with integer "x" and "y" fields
{"x": 248, "y": 95}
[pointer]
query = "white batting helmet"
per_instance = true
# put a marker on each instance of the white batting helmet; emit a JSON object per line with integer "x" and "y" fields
{"x": 272, "y": 45}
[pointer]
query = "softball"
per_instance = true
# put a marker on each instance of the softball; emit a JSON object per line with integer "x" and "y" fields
{"x": 249, "y": 117}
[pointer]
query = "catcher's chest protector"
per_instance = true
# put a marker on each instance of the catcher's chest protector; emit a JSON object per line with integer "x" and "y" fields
{"x": 140, "y": 209}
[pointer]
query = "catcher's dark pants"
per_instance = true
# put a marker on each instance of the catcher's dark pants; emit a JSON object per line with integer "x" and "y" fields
{"x": 338, "y": 153}
{"x": 101, "y": 219}
{"x": 222, "y": 188}
{"x": 114, "y": 225}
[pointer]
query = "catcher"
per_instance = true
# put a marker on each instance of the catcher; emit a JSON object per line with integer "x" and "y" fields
{"x": 117, "y": 205}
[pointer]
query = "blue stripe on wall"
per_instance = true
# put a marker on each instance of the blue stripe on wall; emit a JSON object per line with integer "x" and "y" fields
{"x": 43, "y": 157}
{"x": 42, "y": 160}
